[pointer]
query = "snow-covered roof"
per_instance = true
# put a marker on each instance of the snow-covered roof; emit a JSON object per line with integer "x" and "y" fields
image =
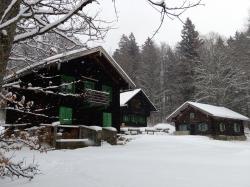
{"x": 125, "y": 97}
{"x": 216, "y": 111}
{"x": 69, "y": 55}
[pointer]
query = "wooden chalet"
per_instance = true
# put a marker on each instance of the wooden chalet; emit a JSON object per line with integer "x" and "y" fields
{"x": 135, "y": 108}
{"x": 204, "y": 119}
{"x": 77, "y": 87}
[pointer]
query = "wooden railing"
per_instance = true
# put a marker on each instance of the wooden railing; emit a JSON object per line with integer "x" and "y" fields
{"x": 96, "y": 97}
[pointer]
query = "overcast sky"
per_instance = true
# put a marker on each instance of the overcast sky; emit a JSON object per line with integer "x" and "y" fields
{"x": 137, "y": 16}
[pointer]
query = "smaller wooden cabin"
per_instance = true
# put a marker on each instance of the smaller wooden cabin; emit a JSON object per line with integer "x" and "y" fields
{"x": 135, "y": 108}
{"x": 204, "y": 119}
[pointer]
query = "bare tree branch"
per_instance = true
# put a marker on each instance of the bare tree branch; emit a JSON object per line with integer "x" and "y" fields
{"x": 171, "y": 12}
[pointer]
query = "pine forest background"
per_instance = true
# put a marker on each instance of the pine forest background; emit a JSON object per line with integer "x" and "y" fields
{"x": 209, "y": 69}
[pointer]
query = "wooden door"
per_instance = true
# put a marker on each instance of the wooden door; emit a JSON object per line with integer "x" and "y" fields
{"x": 65, "y": 115}
{"x": 107, "y": 119}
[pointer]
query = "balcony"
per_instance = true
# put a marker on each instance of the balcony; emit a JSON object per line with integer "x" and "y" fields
{"x": 95, "y": 97}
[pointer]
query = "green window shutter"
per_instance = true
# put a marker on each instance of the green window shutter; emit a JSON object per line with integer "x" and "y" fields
{"x": 142, "y": 119}
{"x": 89, "y": 85}
{"x": 139, "y": 119}
{"x": 68, "y": 88}
{"x": 108, "y": 89}
{"x": 133, "y": 118}
{"x": 136, "y": 119}
{"x": 107, "y": 119}
{"x": 125, "y": 118}
{"x": 65, "y": 115}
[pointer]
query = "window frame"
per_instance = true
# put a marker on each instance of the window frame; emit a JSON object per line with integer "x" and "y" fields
{"x": 183, "y": 129}
{"x": 220, "y": 127}
{"x": 191, "y": 115}
{"x": 237, "y": 127}
{"x": 108, "y": 89}
{"x": 89, "y": 84}
{"x": 70, "y": 88}
{"x": 203, "y": 127}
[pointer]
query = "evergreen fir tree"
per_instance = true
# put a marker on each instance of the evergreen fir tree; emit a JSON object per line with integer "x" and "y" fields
{"x": 150, "y": 69}
{"x": 128, "y": 55}
{"x": 149, "y": 74}
{"x": 188, "y": 50}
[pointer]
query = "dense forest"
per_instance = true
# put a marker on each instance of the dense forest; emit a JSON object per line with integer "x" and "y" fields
{"x": 210, "y": 69}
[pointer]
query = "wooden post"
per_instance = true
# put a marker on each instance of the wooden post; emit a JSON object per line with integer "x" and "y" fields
{"x": 80, "y": 132}
{"x": 54, "y": 135}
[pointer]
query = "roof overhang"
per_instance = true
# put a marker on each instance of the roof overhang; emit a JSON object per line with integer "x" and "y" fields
{"x": 67, "y": 56}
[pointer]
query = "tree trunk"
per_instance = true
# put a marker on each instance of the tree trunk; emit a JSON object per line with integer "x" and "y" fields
{"x": 6, "y": 35}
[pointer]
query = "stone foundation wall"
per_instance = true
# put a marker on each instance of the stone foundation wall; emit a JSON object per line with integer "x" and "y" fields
{"x": 181, "y": 133}
{"x": 224, "y": 137}
{"x": 71, "y": 144}
{"x": 94, "y": 134}
{"x": 109, "y": 134}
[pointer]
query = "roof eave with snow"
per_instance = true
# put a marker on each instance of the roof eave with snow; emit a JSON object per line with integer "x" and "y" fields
{"x": 66, "y": 56}
{"x": 125, "y": 97}
{"x": 211, "y": 110}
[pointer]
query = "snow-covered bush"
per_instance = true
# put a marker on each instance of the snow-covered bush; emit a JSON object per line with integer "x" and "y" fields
{"x": 9, "y": 143}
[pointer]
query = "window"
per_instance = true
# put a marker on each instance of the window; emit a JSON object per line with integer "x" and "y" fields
{"x": 236, "y": 127}
{"x": 136, "y": 119}
{"x": 133, "y": 119}
{"x": 107, "y": 119}
{"x": 108, "y": 89}
{"x": 183, "y": 127}
{"x": 89, "y": 85}
{"x": 68, "y": 85}
{"x": 222, "y": 127}
{"x": 203, "y": 127}
{"x": 65, "y": 115}
{"x": 191, "y": 115}
{"x": 126, "y": 118}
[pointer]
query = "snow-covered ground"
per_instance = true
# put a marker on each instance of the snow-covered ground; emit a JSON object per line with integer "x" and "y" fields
{"x": 146, "y": 161}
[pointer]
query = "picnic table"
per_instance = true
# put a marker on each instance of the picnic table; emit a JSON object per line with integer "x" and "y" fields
{"x": 134, "y": 131}
{"x": 166, "y": 130}
{"x": 152, "y": 131}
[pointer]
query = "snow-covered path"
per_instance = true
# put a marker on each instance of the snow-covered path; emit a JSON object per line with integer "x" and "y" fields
{"x": 147, "y": 161}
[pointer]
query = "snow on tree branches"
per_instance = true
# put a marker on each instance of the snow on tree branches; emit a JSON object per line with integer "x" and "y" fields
{"x": 9, "y": 143}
